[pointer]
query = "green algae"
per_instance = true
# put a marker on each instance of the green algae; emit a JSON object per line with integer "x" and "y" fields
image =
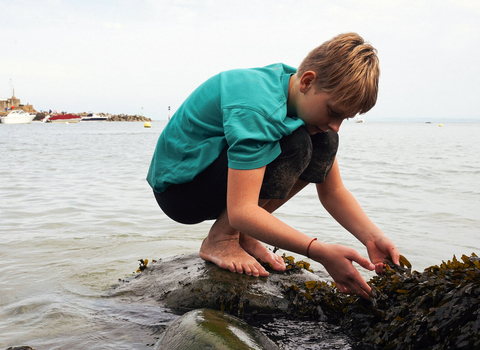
{"x": 436, "y": 309}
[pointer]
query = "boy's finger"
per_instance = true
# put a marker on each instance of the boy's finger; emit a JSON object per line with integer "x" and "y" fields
{"x": 342, "y": 288}
{"x": 361, "y": 289}
{"x": 379, "y": 268}
{"x": 396, "y": 256}
{"x": 365, "y": 263}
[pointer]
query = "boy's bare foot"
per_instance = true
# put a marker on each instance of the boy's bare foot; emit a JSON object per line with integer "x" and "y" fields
{"x": 255, "y": 248}
{"x": 229, "y": 255}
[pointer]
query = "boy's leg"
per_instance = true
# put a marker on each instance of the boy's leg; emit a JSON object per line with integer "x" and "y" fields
{"x": 324, "y": 151}
{"x": 325, "y": 146}
{"x": 282, "y": 173}
{"x": 305, "y": 159}
{"x": 204, "y": 198}
{"x": 271, "y": 205}
{"x": 224, "y": 246}
{"x": 281, "y": 183}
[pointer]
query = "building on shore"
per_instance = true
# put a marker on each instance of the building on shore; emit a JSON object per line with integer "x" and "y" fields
{"x": 14, "y": 103}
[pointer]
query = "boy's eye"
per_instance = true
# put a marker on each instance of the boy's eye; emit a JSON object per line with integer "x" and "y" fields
{"x": 333, "y": 113}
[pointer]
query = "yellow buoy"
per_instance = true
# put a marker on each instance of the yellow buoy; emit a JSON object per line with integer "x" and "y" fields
{"x": 440, "y": 124}
{"x": 147, "y": 125}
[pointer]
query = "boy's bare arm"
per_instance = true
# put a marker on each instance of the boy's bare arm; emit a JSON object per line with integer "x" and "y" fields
{"x": 344, "y": 208}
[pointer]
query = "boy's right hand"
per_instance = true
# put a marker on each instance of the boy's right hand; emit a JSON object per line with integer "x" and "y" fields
{"x": 337, "y": 260}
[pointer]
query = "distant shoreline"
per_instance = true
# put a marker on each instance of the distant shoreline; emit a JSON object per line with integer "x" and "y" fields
{"x": 110, "y": 117}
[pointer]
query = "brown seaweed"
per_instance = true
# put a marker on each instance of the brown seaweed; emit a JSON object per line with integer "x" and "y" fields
{"x": 143, "y": 265}
{"x": 436, "y": 309}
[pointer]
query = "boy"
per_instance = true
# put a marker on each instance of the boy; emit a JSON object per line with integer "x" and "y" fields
{"x": 247, "y": 140}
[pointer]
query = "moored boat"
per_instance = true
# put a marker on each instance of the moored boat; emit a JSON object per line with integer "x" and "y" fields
{"x": 62, "y": 118}
{"x": 93, "y": 117}
{"x": 17, "y": 117}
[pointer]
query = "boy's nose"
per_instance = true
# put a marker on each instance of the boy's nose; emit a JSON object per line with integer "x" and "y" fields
{"x": 335, "y": 125}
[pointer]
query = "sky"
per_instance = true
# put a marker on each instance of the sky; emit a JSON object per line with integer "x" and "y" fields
{"x": 142, "y": 56}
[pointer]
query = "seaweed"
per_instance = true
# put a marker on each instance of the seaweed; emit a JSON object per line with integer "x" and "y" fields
{"x": 436, "y": 309}
{"x": 292, "y": 266}
{"x": 143, "y": 265}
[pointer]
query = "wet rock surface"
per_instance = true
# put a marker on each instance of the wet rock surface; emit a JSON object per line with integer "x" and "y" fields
{"x": 434, "y": 309}
{"x": 184, "y": 283}
{"x": 187, "y": 282}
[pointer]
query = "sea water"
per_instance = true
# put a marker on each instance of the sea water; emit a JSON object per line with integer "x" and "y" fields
{"x": 76, "y": 214}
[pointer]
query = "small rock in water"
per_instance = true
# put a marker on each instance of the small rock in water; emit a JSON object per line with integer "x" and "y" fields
{"x": 210, "y": 329}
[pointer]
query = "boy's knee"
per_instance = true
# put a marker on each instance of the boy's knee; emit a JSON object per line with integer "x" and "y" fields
{"x": 297, "y": 146}
{"x": 325, "y": 146}
{"x": 283, "y": 172}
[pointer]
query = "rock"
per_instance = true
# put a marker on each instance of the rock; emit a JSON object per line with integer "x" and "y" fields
{"x": 435, "y": 309}
{"x": 187, "y": 282}
{"x": 182, "y": 283}
{"x": 210, "y": 329}
{"x": 128, "y": 118}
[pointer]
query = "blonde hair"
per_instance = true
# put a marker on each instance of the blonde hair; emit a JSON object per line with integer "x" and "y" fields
{"x": 348, "y": 69}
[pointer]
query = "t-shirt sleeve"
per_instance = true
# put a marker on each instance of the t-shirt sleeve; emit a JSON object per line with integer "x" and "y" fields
{"x": 252, "y": 139}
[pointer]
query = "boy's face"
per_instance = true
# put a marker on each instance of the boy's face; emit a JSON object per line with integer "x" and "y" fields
{"x": 319, "y": 112}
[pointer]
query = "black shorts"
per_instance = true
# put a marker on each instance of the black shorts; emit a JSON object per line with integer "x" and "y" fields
{"x": 305, "y": 157}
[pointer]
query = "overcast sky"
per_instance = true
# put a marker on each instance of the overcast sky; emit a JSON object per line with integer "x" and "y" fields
{"x": 141, "y": 56}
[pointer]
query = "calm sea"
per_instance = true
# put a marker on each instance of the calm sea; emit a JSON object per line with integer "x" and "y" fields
{"x": 76, "y": 214}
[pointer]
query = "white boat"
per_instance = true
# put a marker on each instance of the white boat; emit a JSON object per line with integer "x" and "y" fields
{"x": 359, "y": 120}
{"x": 91, "y": 117}
{"x": 18, "y": 116}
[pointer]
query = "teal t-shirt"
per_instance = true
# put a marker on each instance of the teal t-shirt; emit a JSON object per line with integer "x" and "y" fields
{"x": 245, "y": 109}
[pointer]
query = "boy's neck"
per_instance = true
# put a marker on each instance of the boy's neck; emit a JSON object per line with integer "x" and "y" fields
{"x": 293, "y": 92}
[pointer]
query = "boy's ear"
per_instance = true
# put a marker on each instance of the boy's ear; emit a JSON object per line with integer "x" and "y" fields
{"x": 306, "y": 81}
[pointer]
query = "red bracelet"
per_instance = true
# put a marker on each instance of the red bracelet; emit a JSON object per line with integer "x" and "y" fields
{"x": 308, "y": 248}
